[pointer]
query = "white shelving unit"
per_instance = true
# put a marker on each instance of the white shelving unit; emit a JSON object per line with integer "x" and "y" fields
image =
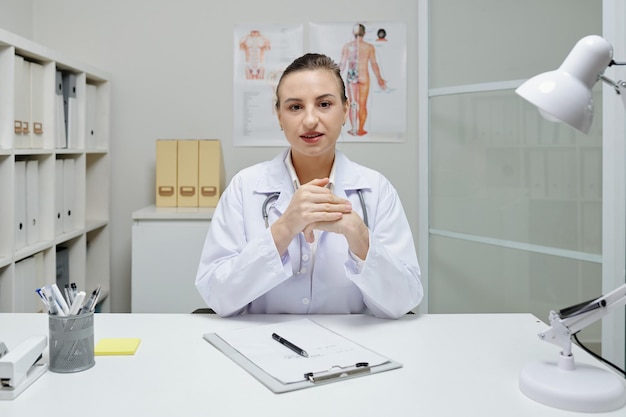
{"x": 24, "y": 267}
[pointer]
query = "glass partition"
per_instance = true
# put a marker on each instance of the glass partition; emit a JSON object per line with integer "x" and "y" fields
{"x": 515, "y": 207}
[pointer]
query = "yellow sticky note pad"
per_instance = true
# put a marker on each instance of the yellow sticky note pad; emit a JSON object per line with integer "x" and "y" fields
{"x": 117, "y": 346}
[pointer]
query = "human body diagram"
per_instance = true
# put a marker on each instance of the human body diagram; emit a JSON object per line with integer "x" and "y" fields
{"x": 255, "y": 45}
{"x": 357, "y": 56}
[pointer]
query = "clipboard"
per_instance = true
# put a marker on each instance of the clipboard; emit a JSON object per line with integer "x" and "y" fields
{"x": 309, "y": 379}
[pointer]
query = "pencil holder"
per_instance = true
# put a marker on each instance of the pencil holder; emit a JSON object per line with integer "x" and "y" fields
{"x": 71, "y": 343}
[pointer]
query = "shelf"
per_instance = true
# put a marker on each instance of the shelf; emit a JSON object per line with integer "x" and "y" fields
{"x": 31, "y": 250}
{"x": 54, "y": 175}
{"x": 95, "y": 225}
{"x": 4, "y": 262}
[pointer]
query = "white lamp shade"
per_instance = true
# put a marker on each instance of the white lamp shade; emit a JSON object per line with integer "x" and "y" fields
{"x": 565, "y": 94}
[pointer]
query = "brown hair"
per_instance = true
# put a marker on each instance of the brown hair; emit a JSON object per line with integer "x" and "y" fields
{"x": 312, "y": 62}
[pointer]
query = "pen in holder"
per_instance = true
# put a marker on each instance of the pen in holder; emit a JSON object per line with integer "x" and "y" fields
{"x": 71, "y": 342}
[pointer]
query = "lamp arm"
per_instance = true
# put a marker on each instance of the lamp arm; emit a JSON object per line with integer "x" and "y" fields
{"x": 613, "y": 62}
{"x": 619, "y": 86}
{"x": 563, "y": 328}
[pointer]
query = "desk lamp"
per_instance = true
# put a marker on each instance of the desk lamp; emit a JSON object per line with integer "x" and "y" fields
{"x": 564, "y": 95}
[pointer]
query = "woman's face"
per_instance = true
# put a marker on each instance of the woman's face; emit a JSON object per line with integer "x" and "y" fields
{"x": 311, "y": 112}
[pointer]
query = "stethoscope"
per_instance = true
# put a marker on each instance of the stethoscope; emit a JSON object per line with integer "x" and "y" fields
{"x": 274, "y": 196}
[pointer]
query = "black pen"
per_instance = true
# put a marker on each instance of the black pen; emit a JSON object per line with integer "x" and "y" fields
{"x": 290, "y": 345}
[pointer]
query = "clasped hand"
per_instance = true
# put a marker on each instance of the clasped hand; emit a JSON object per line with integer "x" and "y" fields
{"x": 315, "y": 207}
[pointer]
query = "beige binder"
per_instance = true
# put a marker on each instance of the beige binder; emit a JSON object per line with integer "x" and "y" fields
{"x": 37, "y": 99}
{"x": 210, "y": 172}
{"x": 21, "y": 103}
{"x": 187, "y": 173}
{"x": 166, "y": 172}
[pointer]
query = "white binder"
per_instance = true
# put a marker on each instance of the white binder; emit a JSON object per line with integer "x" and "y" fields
{"x": 20, "y": 204}
{"x": 6, "y": 294}
{"x": 69, "y": 199}
{"x": 58, "y": 197}
{"x": 25, "y": 286}
{"x": 32, "y": 201}
{"x": 36, "y": 105}
{"x": 32, "y": 300}
{"x": 60, "y": 134}
{"x": 25, "y": 111}
{"x": 91, "y": 134}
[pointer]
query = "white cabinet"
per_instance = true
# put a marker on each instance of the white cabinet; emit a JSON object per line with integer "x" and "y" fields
{"x": 54, "y": 193}
{"x": 166, "y": 247}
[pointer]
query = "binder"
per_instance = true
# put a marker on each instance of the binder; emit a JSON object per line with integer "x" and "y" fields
{"x": 20, "y": 204}
{"x": 261, "y": 335}
{"x": 36, "y": 104}
{"x": 62, "y": 266}
{"x": 7, "y": 296}
{"x": 25, "y": 285}
{"x": 18, "y": 285}
{"x": 69, "y": 199}
{"x": 17, "y": 98}
{"x": 25, "y": 102}
{"x": 91, "y": 136}
{"x": 210, "y": 173}
{"x": 60, "y": 133}
{"x": 166, "y": 172}
{"x": 58, "y": 196}
{"x": 33, "y": 301}
{"x": 187, "y": 183}
{"x": 21, "y": 100}
{"x": 32, "y": 201}
{"x": 70, "y": 109}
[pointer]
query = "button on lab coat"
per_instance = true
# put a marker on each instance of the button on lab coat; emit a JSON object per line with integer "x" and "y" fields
{"x": 241, "y": 270}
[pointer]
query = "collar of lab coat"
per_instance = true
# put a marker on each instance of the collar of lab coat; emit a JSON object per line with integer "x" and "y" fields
{"x": 348, "y": 177}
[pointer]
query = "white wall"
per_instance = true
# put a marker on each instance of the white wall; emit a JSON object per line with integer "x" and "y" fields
{"x": 17, "y": 16}
{"x": 171, "y": 70}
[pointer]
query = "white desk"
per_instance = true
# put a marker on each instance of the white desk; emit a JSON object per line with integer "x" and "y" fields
{"x": 454, "y": 365}
{"x": 166, "y": 247}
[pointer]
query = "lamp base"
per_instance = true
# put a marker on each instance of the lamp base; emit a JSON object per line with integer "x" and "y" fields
{"x": 582, "y": 387}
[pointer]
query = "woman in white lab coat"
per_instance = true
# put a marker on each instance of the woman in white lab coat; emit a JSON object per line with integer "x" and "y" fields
{"x": 310, "y": 231}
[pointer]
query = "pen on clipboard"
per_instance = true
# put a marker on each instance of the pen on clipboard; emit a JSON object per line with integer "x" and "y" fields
{"x": 290, "y": 345}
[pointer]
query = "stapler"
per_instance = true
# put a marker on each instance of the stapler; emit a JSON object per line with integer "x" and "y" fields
{"x": 20, "y": 367}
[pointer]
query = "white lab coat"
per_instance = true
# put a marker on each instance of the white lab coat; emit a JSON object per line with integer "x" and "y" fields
{"x": 241, "y": 271}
